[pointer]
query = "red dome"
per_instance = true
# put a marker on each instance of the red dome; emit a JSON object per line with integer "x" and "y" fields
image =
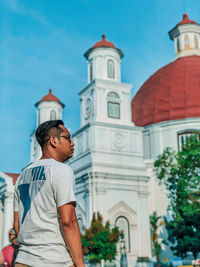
{"x": 186, "y": 20}
{"x": 103, "y": 43}
{"x": 172, "y": 93}
{"x": 50, "y": 97}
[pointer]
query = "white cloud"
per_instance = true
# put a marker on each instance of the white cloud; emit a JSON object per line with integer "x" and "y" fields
{"x": 17, "y": 7}
{"x": 38, "y": 16}
{"x": 13, "y": 5}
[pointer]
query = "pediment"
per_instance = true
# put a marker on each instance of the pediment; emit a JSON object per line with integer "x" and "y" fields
{"x": 122, "y": 209}
{"x": 121, "y": 206}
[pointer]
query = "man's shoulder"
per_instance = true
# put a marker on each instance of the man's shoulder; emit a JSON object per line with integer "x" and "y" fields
{"x": 51, "y": 163}
{"x": 23, "y": 173}
{"x": 50, "y": 166}
{"x": 62, "y": 167}
{"x": 55, "y": 167}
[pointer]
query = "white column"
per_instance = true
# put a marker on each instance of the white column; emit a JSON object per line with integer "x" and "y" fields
{"x": 8, "y": 217}
{"x": 144, "y": 231}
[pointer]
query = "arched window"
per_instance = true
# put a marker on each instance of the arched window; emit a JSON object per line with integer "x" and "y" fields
{"x": 178, "y": 45}
{"x": 111, "y": 69}
{"x": 52, "y": 114}
{"x": 186, "y": 41}
{"x": 113, "y": 105}
{"x": 183, "y": 136}
{"x": 123, "y": 224}
{"x": 196, "y": 45}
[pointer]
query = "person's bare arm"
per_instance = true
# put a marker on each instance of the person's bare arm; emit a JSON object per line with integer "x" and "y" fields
{"x": 16, "y": 222}
{"x": 71, "y": 233}
{"x": 1, "y": 258}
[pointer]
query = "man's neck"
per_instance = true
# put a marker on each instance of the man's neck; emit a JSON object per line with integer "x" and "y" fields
{"x": 50, "y": 156}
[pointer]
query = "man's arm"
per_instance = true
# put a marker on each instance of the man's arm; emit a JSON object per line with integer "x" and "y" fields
{"x": 16, "y": 222}
{"x": 71, "y": 233}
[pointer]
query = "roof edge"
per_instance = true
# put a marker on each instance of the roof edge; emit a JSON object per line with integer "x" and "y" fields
{"x": 89, "y": 51}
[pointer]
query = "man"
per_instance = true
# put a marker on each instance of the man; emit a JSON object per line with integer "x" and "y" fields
{"x": 44, "y": 204}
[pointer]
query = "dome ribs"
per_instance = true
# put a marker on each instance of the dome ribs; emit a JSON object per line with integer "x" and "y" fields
{"x": 162, "y": 103}
{"x": 193, "y": 96}
{"x": 177, "y": 95}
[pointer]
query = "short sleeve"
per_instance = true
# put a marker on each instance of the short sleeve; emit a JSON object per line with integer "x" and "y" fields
{"x": 63, "y": 186}
{"x": 16, "y": 200}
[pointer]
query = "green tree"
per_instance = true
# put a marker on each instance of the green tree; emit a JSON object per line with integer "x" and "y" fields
{"x": 155, "y": 224}
{"x": 99, "y": 240}
{"x": 180, "y": 173}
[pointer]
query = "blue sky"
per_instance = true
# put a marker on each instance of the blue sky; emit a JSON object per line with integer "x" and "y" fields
{"x": 42, "y": 47}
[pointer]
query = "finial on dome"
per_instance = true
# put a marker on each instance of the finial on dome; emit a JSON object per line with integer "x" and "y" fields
{"x": 50, "y": 91}
{"x": 103, "y": 37}
{"x": 185, "y": 16}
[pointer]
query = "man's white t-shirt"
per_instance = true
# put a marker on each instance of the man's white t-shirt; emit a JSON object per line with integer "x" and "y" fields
{"x": 42, "y": 187}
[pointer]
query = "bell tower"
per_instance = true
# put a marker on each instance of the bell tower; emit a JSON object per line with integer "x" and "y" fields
{"x": 104, "y": 61}
{"x": 48, "y": 108}
{"x": 186, "y": 37}
{"x": 105, "y": 98}
{"x": 108, "y": 156}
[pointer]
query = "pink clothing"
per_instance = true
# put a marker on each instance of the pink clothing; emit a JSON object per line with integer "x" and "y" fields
{"x": 8, "y": 253}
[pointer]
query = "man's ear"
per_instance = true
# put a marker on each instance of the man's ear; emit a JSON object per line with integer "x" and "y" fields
{"x": 53, "y": 141}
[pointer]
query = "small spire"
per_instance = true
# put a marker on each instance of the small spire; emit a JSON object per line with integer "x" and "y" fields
{"x": 103, "y": 37}
{"x": 185, "y": 16}
{"x": 186, "y": 20}
{"x": 50, "y": 91}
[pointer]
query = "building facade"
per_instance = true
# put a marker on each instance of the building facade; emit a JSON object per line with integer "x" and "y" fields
{"x": 108, "y": 162}
{"x": 119, "y": 139}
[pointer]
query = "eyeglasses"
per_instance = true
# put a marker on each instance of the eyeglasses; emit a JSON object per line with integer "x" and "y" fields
{"x": 67, "y": 137}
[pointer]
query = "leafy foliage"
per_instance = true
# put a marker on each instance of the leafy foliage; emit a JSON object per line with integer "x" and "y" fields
{"x": 155, "y": 224}
{"x": 180, "y": 173}
{"x": 99, "y": 241}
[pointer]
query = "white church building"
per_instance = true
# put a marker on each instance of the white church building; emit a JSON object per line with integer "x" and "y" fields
{"x": 119, "y": 139}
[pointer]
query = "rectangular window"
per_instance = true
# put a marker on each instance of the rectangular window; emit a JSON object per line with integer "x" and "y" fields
{"x": 183, "y": 137}
{"x": 114, "y": 110}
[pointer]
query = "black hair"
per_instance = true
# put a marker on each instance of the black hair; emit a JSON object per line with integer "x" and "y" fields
{"x": 46, "y": 129}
